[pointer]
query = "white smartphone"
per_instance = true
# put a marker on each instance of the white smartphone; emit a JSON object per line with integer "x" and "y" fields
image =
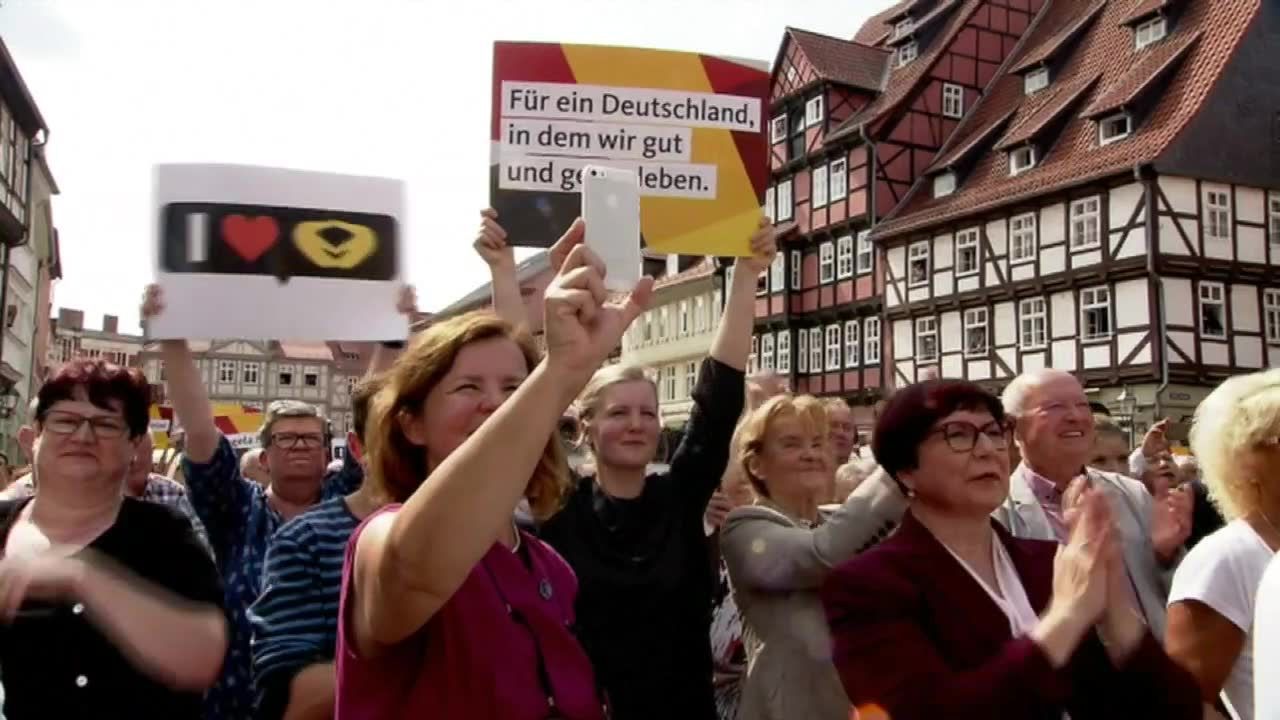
{"x": 611, "y": 210}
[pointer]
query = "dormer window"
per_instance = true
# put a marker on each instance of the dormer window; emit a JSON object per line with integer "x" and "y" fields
{"x": 1035, "y": 80}
{"x": 1151, "y": 31}
{"x": 944, "y": 184}
{"x": 908, "y": 52}
{"x": 813, "y": 112}
{"x": 903, "y": 28}
{"x": 1114, "y": 127}
{"x": 1022, "y": 159}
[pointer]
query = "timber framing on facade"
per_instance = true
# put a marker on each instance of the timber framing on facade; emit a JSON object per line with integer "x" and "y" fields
{"x": 1110, "y": 207}
{"x": 855, "y": 124}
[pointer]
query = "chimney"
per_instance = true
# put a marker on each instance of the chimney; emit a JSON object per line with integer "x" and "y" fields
{"x": 70, "y": 319}
{"x": 111, "y": 324}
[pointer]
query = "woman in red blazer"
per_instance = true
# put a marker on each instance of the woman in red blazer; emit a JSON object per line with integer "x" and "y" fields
{"x": 951, "y": 617}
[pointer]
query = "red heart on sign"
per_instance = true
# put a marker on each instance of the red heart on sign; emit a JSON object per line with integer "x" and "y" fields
{"x": 250, "y": 237}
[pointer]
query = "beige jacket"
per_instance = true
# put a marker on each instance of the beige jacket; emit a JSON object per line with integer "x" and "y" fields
{"x": 776, "y": 568}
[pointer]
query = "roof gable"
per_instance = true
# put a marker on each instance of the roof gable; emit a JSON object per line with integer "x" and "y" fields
{"x": 1045, "y": 51}
{"x": 878, "y": 28}
{"x": 840, "y": 61}
{"x": 1211, "y": 33}
{"x": 1153, "y": 66}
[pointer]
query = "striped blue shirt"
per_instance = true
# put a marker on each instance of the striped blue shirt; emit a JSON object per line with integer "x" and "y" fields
{"x": 295, "y": 619}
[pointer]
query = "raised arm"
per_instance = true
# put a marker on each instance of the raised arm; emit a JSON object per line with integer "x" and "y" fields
{"x": 763, "y": 551}
{"x": 184, "y": 388}
{"x": 409, "y": 563}
{"x": 719, "y": 395}
{"x": 491, "y": 245}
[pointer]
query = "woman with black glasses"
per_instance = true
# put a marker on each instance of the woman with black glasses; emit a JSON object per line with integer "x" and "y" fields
{"x": 110, "y": 604}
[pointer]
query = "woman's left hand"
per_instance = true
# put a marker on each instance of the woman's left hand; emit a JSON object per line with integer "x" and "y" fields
{"x": 764, "y": 246}
{"x": 40, "y": 576}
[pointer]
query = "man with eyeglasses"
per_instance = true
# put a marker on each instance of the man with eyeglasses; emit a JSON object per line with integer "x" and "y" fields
{"x": 1054, "y": 432}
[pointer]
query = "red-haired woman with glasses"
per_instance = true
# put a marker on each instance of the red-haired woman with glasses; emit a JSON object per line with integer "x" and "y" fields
{"x": 110, "y": 604}
{"x": 952, "y": 617}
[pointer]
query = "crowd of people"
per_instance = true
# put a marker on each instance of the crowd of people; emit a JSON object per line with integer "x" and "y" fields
{"x": 983, "y": 557}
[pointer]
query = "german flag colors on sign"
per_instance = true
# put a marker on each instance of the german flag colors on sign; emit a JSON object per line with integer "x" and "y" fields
{"x": 690, "y": 126}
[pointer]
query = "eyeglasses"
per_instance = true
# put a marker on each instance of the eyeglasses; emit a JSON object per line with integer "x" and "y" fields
{"x": 962, "y": 436}
{"x": 103, "y": 427}
{"x": 290, "y": 441}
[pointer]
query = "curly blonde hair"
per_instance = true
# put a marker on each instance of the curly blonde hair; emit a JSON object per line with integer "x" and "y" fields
{"x": 1238, "y": 416}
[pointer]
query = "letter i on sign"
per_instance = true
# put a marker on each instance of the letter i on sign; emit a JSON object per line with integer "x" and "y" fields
{"x": 197, "y": 237}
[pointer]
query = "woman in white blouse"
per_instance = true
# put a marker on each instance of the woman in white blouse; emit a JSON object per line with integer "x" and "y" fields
{"x": 1236, "y": 437}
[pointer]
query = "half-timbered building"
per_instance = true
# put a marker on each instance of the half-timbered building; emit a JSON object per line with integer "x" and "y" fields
{"x": 1110, "y": 207}
{"x": 854, "y": 124}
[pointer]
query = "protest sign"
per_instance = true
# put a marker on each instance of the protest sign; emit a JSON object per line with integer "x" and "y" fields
{"x": 254, "y": 252}
{"x": 690, "y": 126}
{"x": 238, "y": 423}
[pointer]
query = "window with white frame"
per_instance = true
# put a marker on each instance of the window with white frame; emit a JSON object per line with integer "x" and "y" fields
{"x": 918, "y": 264}
{"x": 833, "y": 347}
{"x": 1035, "y": 81}
{"x": 786, "y": 206}
{"x": 952, "y": 100}
{"x": 796, "y": 268}
{"x": 1114, "y": 127}
{"x": 1095, "y": 313}
{"x": 826, "y": 263}
{"x": 690, "y": 378}
{"x": 1271, "y": 314}
{"x": 908, "y": 52}
{"x": 839, "y": 181}
{"x": 820, "y": 186}
{"x": 251, "y": 370}
{"x": 766, "y": 352}
{"x": 762, "y": 282}
{"x": 226, "y": 371}
{"x": 784, "y": 351}
{"x": 844, "y": 257}
{"x": 975, "y": 331}
{"x": 1084, "y": 223}
{"x": 684, "y": 318}
{"x": 815, "y": 349}
{"x": 778, "y": 131}
{"x": 1150, "y": 31}
{"x": 770, "y": 205}
{"x": 1274, "y": 208}
{"x": 1022, "y": 238}
{"x": 778, "y": 272}
{"x": 802, "y": 350}
{"x": 865, "y": 253}
{"x": 753, "y": 359}
{"x": 967, "y": 252}
{"x": 926, "y": 339}
{"x": 904, "y": 28}
{"x": 1032, "y": 323}
{"x": 664, "y": 322}
{"x": 871, "y": 340}
{"x": 669, "y": 378}
{"x": 646, "y": 325}
{"x": 700, "y": 314}
{"x": 1022, "y": 159}
{"x": 1217, "y": 214}
{"x": 852, "y": 343}
{"x": 717, "y": 307}
{"x": 944, "y": 184}
{"x": 1213, "y": 311}
{"x": 813, "y": 111}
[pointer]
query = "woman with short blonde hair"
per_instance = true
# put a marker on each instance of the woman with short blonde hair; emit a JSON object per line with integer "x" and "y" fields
{"x": 1236, "y": 439}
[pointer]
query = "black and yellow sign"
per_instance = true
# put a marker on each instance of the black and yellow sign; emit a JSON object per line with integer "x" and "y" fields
{"x": 283, "y": 242}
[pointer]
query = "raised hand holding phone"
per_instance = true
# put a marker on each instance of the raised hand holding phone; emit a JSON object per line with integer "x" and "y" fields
{"x": 611, "y": 209}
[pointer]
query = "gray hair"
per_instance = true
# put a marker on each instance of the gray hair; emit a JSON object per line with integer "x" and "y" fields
{"x": 279, "y": 409}
{"x": 1014, "y": 397}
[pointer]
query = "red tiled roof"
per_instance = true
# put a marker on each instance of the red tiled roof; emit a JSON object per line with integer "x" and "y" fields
{"x": 939, "y": 11}
{"x": 902, "y": 81}
{"x": 975, "y": 141}
{"x": 305, "y": 351}
{"x": 1155, "y": 64}
{"x": 1106, "y": 51}
{"x": 1033, "y": 123}
{"x": 877, "y": 27}
{"x": 1143, "y": 9}
{"x": 842, "y": 61}
{"x": 1045, "y": 51}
